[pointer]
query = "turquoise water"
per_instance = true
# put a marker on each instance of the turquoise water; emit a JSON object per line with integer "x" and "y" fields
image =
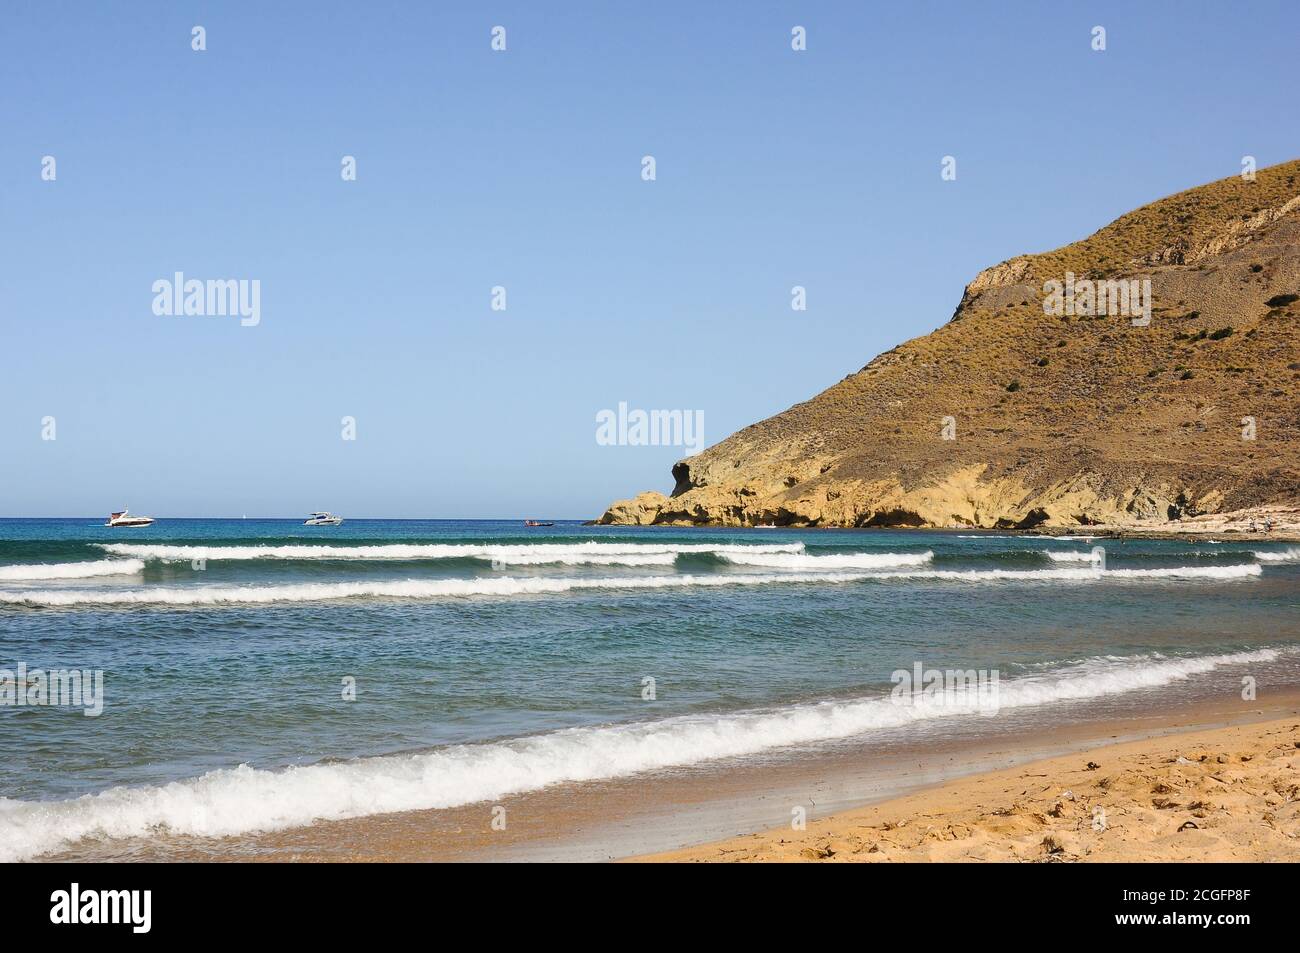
{"x": 518, "y": 659}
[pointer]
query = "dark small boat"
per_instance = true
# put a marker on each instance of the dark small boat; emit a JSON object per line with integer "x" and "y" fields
{"x": 536, "y": 523}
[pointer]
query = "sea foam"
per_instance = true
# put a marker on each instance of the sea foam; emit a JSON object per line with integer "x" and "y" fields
{"x": 398, "y": 589}
{"x": 82, "y": 570}
{"x": 832, "y": 561}
{"x": 416, "y": 551}
{"x": 1068, "y": 556}
{"x": 243, "y": 799}
{"x": 1289, "y": 555}
{"x": 512, "y": 586}
{"x": 586, "y": 559}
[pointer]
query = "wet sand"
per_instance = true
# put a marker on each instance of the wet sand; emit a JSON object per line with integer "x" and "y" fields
{"x": 1229, "y": 794}
{"x": 685, "y": 808}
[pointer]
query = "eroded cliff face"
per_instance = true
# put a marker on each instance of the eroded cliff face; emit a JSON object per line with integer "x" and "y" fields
{"x": 1010, "y": 417}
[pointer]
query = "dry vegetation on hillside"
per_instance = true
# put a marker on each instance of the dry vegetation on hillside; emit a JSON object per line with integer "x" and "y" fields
{"x": 1059, "y": 420}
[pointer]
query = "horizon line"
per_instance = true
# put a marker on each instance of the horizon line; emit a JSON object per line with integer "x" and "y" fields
{"x": 414, "y": 519}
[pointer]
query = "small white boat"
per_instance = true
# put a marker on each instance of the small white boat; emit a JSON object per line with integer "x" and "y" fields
{"x": 126, "y": 519}
{"x": 322, "y": 519}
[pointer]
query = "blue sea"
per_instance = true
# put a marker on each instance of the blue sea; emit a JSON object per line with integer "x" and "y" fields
{"x": 263, "y": 674}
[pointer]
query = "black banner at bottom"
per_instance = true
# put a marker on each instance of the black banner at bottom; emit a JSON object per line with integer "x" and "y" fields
{"x": 305, "y": 901}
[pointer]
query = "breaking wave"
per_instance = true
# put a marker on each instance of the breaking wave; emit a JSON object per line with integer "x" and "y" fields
{"x": 399, "y": 589}
{"x": 834, "y": 561}
{"x": 1290, "y": 555}
{"x": 554, "y": 552}
{"x": 242, "y": 800}
{"x": 510, "y": 586}
{"x": 593, "y": 559}
{"x": 84, "y": 570}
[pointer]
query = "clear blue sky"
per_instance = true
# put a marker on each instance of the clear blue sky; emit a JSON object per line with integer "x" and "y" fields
{"x": 522, "y": 169}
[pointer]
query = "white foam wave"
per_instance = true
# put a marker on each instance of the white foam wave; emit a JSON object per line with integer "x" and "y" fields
{"x": 244, "y": 799}
{"x": 1289, "y": 555}
{"x": 412, "y": 551}
{"x": 617, "y": 559}
{"x": 1068, "y": 557}
{"x": 82, "y": 570}
{"x": 833, "y": 561}
{"x": 399, "y": 589}
{"x": 1092, "y": 572}
{"x": 510, "y": 586}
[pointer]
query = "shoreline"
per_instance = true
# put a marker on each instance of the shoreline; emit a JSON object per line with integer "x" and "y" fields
{"x": 1288, "y": 534}
{"x": 1204, "y": 795}
{"x": 1235, "y": 525}
{"x": 719, "y": 811}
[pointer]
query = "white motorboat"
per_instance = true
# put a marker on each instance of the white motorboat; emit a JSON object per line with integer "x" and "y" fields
{"x": 322, "y": 519}
{"x": 126, "y": 519}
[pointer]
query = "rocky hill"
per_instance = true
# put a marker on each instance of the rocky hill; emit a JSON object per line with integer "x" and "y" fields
{"x": 1008, "y": 416}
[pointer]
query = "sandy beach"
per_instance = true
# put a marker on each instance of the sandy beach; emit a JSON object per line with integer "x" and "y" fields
{"x": 1228, "y": 794}
{"x": 1017, "y": 796}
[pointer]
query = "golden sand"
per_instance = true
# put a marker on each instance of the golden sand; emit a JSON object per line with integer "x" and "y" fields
{"x": 1228, "y": 794}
